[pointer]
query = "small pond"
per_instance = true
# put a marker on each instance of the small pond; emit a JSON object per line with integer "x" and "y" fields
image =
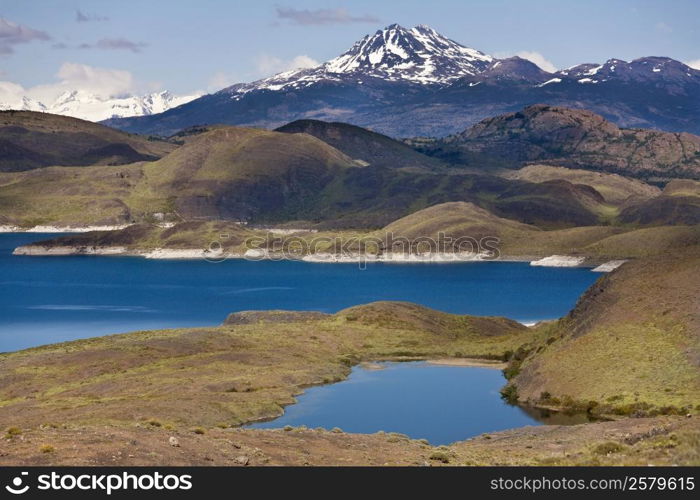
{"x": 440, "y": 403}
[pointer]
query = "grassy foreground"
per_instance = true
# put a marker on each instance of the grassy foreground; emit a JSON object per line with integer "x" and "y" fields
{"x": 231, "y": 374}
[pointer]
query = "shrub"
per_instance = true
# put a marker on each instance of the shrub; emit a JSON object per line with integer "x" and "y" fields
{"x": 440, "y": 456}
{"x": 510, "y": 393}
{"x": 13, "y": 431}
{"x": 671, "y": 410}
{"x": 512, "y": 370}
{"x": 634, "y": 409}
{"x": 607, "y": 448}
{"x": 287, "y": 428}
{"x": 46, "y": 448}
{"x": 199, "y": 430}
{"x": 154, "y": 422}
{"x": 337, "y": 430}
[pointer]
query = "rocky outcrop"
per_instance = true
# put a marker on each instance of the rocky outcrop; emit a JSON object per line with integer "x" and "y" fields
{"x": 572, "y": 138}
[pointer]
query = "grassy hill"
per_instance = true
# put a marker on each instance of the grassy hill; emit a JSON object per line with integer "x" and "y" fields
{"x": 679, "y": 203}
{"x": 31, "y": 140}
{"x": 453, "y": 220}
{"x": 460, "y": 219}
{"x": 244, "y": 173}
{"x": 239, "y": 174}
{"x": 272, "y": 178}
{"x": 631, "y": 344}
{"x": 456, "y": 220}
{"x": 72, "y": 196}
{"x": 364, "y": 145}
{"x": 615, "y": 189}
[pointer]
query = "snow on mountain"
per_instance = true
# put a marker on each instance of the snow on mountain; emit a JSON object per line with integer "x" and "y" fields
{"x": 418, "y": 55}
{"x": 24, "y": 104}
{"x": 87, "y": 106}
{"x": 416, "y": 82}
{"x": 642, "y": 70}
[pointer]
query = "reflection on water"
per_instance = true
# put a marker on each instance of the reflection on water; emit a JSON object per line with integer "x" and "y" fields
{"x": 551, "y": 417}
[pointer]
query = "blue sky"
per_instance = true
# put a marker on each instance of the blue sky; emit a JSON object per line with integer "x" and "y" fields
{"x": 185, "y": 46}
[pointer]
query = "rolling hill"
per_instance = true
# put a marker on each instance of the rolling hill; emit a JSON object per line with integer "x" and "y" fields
{"x": 31, "y": 140}
{"x": 361, "y": 144}
{"x": 631, "y": 344}
{"x": 679, "y": 203}
{"x": 268, "y": 177}
{"x": 616, "y": 189}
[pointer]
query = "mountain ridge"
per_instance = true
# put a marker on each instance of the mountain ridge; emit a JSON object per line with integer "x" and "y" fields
{"x": 415, "y": 82}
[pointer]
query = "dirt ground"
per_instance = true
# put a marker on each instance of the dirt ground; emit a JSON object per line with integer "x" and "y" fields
{"x": 631, "y": 441}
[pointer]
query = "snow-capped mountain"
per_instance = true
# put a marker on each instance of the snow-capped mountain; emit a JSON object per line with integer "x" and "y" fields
{"x": 395, "y": 54}
{"x": 645, "y": 69}
{"x": 409, "y": 82}
{"x": 81, "y": 104}
{"x": 25, "y": 104}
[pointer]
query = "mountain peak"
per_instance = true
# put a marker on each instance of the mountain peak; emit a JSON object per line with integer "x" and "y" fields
{"x": 419, "y": 55}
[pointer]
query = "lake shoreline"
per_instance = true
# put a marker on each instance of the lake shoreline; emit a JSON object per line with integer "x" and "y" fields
{"x": 597, "y": 264}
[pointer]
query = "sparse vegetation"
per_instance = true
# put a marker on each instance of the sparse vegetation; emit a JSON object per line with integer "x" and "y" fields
{"x": 11, "y": 432}
{"x": 608, "y": 448}
{"x": 441, "y": 456}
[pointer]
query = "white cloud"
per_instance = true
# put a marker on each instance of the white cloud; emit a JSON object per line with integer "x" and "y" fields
{"x": 10, "y": 93}
{"x": 695, "y": 64}
{"x": 533, "y": 57}
{"x": 102, "y": 82}
{"x": 268, "y": 65}
{"x": 221, "y": 80}
{"x": 539, "y": 59}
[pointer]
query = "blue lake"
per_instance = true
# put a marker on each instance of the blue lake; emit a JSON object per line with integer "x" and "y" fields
{"x": 53, "y": 299}
{"x": 442, "y": 404}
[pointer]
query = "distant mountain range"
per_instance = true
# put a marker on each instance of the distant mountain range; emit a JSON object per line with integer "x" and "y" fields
{"x": 88, "y": 106}
{"x": 416, "y": 82}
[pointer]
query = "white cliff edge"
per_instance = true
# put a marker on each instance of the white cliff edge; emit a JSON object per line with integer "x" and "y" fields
{"x": 559, "y": 261}
{"x": 608, "y": 266}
